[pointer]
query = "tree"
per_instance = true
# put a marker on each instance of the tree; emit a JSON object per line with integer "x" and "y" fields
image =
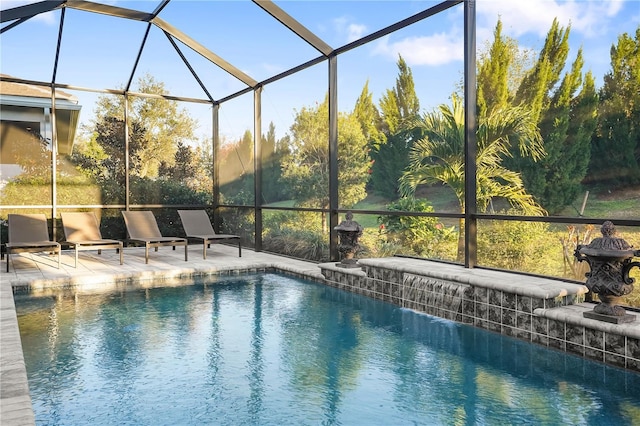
{"x": 163, "y": 166}
{"x": 540, "y": 80}
{"x": 438, "y": 157}
{"x": 390, "y": 154}
{"x": 203, "y": 179}
{"x": 493, "y": 89}
{"x": 236, "y": 171}
{"x": 306, "y": 168}
{"x": 502, "y": 66}
{"x": 272, "y": 154}
{"x": 565, "y": 115}
{"x": 566, "y": 126}
{"x": 368, "y": 115}
{"x": 104, "y": 158}
{"x": 191, "y": 169}
{"x": 162, "y": 123}
{"x": 615, "y": 148}
{"x": 184, "y": 165}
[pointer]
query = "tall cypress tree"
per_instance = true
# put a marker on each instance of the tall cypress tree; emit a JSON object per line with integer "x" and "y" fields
{"x": 493, "y": 71}
{"x": 236, "y": 177}
{"x": 501, "y": 70}
{"x": 398, "y": 106}
{"x": 567, "y": 126}
{"x": 565, "y": 119}
{"x": 272, "y": 190}
{"x": 367, "y": 114}
{"x": 616, "y": 141}
{"x": 538, "y": 83}
{"x": 584, "y": 117}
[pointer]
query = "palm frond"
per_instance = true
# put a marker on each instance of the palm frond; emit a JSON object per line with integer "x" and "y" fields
{"x": 438, "y": 156}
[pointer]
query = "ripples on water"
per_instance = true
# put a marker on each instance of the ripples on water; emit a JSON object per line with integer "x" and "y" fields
{"x": 273, "y": 350}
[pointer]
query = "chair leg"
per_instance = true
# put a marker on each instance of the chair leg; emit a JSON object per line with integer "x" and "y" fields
{"x": 240, "y": 248}
{"x": 7, "y": 260}
{"x": 121, "y": 251}
{"x": 146, "y": 253}
{"x": 186, "y": 252}
{"x": 59, "y": 253}
{"x": 204, "y": 249}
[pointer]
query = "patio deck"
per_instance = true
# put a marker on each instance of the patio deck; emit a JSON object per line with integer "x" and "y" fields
{"x": 95, "y": 272}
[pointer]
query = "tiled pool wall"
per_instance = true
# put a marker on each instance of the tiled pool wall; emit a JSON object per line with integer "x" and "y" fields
{"x": 555, "y": 322}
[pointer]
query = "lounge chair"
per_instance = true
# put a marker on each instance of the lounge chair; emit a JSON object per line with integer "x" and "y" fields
{"x": 28, "y": 233}
{"x": 196, "y": 224}
{"x": 81, "y": 231}
{"x": 142, "y": 227}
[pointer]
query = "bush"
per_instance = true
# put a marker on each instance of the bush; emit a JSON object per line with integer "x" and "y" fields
{"x": 422, "y": 236}
{"x": 301, "y": 243}
{"x": 297, "y": 234}
{"x": 517, "y": 246}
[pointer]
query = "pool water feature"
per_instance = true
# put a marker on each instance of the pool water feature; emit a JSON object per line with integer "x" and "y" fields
{"x": 270, "y": 349}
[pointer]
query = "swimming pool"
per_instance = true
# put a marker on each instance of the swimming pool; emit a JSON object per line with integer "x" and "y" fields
{"x": 270, "y": 349}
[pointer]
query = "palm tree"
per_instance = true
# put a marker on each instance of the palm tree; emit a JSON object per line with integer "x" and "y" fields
{"x": 439, "y": 157}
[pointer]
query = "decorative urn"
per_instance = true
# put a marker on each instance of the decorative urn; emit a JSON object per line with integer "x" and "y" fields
{"x": 610, "y": 260}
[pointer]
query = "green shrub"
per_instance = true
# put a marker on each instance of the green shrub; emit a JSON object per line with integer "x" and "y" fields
{"x": 301, "y": 243}
{"x": 421, "y": 236}
{"x": 297, "y": 234}
{"x": 517, "y": 246}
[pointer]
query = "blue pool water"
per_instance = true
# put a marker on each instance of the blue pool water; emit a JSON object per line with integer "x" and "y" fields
{"x": 274, "y": 350}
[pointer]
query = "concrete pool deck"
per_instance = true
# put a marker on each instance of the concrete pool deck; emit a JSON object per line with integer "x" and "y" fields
{"x": 95, "y": 272}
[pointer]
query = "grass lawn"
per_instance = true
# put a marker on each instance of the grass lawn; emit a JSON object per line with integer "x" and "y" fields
{"x": 605, "y": 203}
{"x": 611, "y": 204}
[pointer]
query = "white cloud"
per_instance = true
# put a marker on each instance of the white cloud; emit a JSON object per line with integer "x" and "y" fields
{"x": 355, "y": 31}
{"x": 348, "y": 30}
{"x": 588, "y": 17}
{"x": 434, "y": 50}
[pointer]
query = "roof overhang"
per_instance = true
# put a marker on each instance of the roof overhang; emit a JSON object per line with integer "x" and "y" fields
{"x": 33, "y": 102}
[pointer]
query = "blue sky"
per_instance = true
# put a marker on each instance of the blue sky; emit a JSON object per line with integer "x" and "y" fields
{"x": 99, "y": 51}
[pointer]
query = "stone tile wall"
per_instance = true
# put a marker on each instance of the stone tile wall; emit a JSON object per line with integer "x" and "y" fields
{"x": 552, "y": 321}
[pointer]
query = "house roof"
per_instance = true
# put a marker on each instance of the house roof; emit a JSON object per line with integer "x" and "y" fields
{"x": 19, "y": 96}
{"x": 8, "y": 88}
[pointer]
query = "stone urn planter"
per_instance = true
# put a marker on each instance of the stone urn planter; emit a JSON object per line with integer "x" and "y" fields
{"x": 610, "y": 260}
